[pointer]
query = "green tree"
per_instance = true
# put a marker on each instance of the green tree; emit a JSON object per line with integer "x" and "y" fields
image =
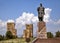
{"x": 49, "y": 35}
{"x": 1, "y": 37}
{"x": 57, "y": 34}
{"x": 9, "y": 35}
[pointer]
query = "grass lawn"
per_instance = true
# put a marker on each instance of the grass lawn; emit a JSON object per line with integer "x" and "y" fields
{"x": 20, "y": 40}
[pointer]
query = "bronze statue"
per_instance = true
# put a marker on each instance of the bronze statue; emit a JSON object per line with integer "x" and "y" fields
{"x": 40, "y": 12}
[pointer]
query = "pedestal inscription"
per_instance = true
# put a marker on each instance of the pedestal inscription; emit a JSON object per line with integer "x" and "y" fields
{"x": 42, "y": 34}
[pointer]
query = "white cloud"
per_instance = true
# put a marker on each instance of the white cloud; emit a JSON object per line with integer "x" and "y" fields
{"x": 35, "y": 19}
{"x": 47, "y": 14}
{"x": 10, "y": 20}
{"x": 26, "y": 18}
{"x": 2, "y": 23}
{"x": 57, "y": 22}
{"x": 54, "y": 22}
{"x": 2, "y": 27}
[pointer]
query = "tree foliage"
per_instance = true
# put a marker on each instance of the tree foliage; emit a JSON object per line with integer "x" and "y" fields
{"x": 57, "y": 34}
{"x": 9, "y": 35}
{"x": 49, "y": 35}
{"x": 1, "y": 37}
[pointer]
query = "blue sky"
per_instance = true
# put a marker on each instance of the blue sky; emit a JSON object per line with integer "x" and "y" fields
{"x": 13, "y": 9}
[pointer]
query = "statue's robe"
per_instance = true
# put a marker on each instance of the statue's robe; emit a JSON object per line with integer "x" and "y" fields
{"x": 40, "y": 13}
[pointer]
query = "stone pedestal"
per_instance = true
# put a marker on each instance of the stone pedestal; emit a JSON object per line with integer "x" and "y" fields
{"x": 42, "y": 34}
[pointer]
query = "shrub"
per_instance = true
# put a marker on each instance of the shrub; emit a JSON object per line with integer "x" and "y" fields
{"x": 9, "y": 35}
{"x": 1, "y": 38}
{"x": 49, "y": 35}
{"x": 57, "y": 34}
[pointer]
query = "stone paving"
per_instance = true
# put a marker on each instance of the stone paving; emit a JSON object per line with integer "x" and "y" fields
{"x": 51, "y": 40}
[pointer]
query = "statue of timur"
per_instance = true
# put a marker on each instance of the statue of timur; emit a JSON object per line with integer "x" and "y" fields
{"x": 40, "y": 12}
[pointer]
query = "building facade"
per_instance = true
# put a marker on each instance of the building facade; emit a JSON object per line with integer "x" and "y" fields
{"x": 29, "y": 31}
{"x": 11, "y": 27}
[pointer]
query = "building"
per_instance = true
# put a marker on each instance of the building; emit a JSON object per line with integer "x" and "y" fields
{"x": 29, "y": 31}
{"x": 11, "y": 27}
{"x": 30, "y": 27}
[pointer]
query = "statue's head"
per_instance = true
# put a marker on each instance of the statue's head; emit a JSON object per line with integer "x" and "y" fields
{"x": 41, "y": 4}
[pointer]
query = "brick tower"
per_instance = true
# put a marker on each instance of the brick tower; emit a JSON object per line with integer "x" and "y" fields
{"x": 11, "y": 27}
{"x": 29, "y": 31}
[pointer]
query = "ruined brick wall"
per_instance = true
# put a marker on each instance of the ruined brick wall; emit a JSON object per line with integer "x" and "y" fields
{"x": 11, "y": 27}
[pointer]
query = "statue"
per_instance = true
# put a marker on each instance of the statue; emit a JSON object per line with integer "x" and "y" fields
{"x": 40, "y": 12}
